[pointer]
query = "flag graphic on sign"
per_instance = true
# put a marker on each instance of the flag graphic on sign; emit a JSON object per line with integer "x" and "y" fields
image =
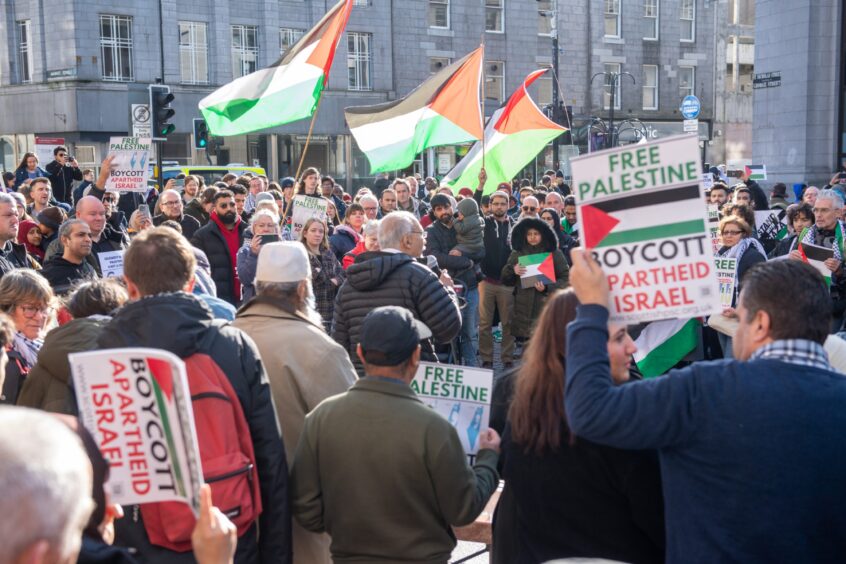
{"x": 539, "y": 268}
{"x": 284, "y": 92}
{"x": 515, "y": 135}
{"x": 657, "y": 214}
{"x": 444, "y": 110}
{"x": 816, "y": 257}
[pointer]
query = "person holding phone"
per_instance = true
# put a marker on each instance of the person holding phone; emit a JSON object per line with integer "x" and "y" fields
{"x": 62, "y": 172}
{"x": 265, "y": 227}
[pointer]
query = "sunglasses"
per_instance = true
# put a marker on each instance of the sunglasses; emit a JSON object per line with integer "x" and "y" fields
{"x": 529, "y": 208}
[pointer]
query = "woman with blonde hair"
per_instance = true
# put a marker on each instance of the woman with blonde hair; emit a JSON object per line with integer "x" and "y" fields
{"x": 326, "y": 272}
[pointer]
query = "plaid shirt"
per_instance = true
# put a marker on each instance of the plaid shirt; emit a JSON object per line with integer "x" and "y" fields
{"x": 795, "y": 351}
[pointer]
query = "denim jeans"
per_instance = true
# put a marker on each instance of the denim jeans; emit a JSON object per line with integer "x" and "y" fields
{"x": 468, "y": 339}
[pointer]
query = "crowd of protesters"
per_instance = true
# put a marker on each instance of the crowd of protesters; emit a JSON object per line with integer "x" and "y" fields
{"x": 320, "y": 328}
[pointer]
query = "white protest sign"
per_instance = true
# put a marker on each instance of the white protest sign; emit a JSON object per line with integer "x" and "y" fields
{"x": 111, "y": 264}
{"x": 136, "y": 404}
{"x": 44, "y": 149}
{"x": 771, "y": 224}
{"x": 707, "y": 181}
{"x": 726, "y": 268}
{"x": 304, "y": 208}
{"x": 641, "y": 213}
{"x": 462, "y": 395}
{"x": 129, "y": 168}
{"x": 714, "y": 226}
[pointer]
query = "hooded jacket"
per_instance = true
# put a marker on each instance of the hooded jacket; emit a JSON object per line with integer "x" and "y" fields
{"x": 528, "y": 302}
{"x": 343, "y": 240}
{"x": 381, "y": 279}
{"x": 183, "y": 325}
{"x": 62, "y": 273}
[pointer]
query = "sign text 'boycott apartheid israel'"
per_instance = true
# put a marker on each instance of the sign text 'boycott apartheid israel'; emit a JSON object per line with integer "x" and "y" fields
{"x": 129, "y": 169}
{"x": 641, "y": 212}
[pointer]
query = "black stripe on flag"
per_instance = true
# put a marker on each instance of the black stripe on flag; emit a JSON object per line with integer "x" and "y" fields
{"x": 817, "y": 253}
{"x": 649, "y": 199}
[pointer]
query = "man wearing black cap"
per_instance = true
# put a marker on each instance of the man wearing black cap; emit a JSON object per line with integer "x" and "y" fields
{"x": 388, "y": 471}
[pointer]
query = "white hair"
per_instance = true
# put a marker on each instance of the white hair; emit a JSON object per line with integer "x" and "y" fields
{"x": 265, "y": 213}
{"x": 394, "y": 227}
{"x": 372, "y": 228}
{"x": 370, "y": 198}
{"x": 9, "y": 200}
{"x": 833, "y": 195}
{"x": 45, "y": 493}
{"x": 171, "y": 191}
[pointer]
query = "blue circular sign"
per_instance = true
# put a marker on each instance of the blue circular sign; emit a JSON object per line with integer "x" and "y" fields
{"x": 690, "y": 107}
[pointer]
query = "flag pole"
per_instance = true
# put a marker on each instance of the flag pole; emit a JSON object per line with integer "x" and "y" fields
{"x": 302, "y": 157}
{"x": 484, "y": 83}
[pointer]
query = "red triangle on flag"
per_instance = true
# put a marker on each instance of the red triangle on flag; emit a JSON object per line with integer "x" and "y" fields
{"x": 547, "y": 267}
{"x": 596, "y": 225}
{"x": 747, "y": 170}
{"x": 160, "y": 369}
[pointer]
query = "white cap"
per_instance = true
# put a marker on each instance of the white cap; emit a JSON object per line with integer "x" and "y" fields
{"x": 286, "y": 261}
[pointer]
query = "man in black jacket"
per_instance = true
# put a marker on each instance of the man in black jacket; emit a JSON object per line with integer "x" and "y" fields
{"x": 63, "y": 170}
{"x": 392, "y": 276}
{"x": 61, "y": 271}
{"x": 172, "y": 208}
{"x": 440, "y": 243}
{"x": 12, "y": 255}
{"x": 220, "y": 239}
{"x": 163, "y": 315}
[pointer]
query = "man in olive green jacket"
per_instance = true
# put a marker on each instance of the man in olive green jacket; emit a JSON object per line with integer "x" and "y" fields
{"x": 381, "y": 472}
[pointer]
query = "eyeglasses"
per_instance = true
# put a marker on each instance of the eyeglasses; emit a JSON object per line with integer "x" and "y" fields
{"x": 529, "y": 208}
{"x": 422, "y": 234}
{"x": 732, "y": 232}
{"x": 176, "y": 203}
{"x": 30, "y": 311}
{"x": 370, "y": 209}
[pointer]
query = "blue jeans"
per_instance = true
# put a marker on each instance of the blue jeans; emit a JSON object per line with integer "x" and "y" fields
{"x": 468, "y": 339}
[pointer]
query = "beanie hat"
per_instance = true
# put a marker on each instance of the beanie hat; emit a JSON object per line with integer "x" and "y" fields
{"x": 51, "y": 217}
{"x": 441, "y": 200}
{"x": 468, "y": 207}
{"x": 466, "y": 192}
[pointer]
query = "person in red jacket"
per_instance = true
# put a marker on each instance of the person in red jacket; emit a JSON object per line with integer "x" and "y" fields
{"x": 369, "y": 242}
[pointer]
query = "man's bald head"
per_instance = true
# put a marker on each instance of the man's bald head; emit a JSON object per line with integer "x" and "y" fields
{"x": 92, "y": 211}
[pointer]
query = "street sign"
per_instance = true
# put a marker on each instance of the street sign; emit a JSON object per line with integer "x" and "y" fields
{"x": 690, "y": 107}
{"x": 691, "y": 125}
{"x": 141, "y": 126}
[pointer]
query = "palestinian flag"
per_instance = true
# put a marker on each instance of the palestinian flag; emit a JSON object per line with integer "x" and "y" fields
{"x": 816, "y": 257}
{"x": 539, "y": 268}
{"x": 656, "y": 214}
{"x": 514, "y": 135}
{"x": 756, "y": 172}
{"x": 444, "y": 110}
{"x": 284, "y": 92}
{"x": 662, "y": 344}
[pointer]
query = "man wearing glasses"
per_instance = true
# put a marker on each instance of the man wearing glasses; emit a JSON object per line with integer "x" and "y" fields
{"x": 172, "y": 208}
{"x": 63, "y": 170}
{"x": 530, "y": 208}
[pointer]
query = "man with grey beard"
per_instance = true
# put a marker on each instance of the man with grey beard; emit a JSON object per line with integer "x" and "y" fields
{"x": 304, "y": 365}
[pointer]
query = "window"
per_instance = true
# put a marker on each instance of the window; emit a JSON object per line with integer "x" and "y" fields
{"x": 545, "y": 22}
{"x": 613, "y": 70}
{"x": 650, "y": 87}
{"x": 358, "y": 60}
{"x": 287, "y": 37}
{"x": 24, "y": 53}
{"x": 650, "y": 19}
{"x": 193, "y": 53}
{"x": 116, "y": 48}
{"x": 612, "y": 18}
{"x": 439, "y": 13}
{"x": 437, "y": 63}
{"x": 687, "y": 15}
{"x": 244, "y": 50}
{"x": 494, "y": 15}
{"x": 545, "y": 86}
{"x": 495, "y": 81}
{"x": 687, "y": 75}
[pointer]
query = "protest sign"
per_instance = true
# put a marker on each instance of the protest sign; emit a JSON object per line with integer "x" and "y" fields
{"x": 771, "y": 225}
{"x": 726, "y": 268}
{"x": 641, "y": 212}
{"x": 461, "y": 395}
{"x": 714, "y": 226}
{"x": 539, "y": 268}
{"x": 44, "y": 149}
{"x": 707, "y": 181}
{"x": 129, "y": 170}
{"x": 816, "y": 257}
{"x": 306, "y": 207}
{"x": 111, "y": 264}
{"x": 136, "y": 404}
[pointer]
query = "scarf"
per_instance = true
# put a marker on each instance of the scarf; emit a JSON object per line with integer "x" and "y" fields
{"x": 737, "y": 253}
{"x": 232, "y": 239}
{"x": 809, "y": 236}
{"x": 27, "y": 348}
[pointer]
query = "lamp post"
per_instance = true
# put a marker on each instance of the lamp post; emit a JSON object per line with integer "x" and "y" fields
{"x": 614, "y": 79}
{"x": 553, "y": 33}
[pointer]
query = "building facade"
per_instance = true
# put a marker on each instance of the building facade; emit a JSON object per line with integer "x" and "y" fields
{"x": 72, "y": 70}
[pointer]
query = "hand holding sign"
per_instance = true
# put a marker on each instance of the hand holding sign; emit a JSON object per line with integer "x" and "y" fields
{"x": 587, "y": 278}
{"x": 215, "y": 537}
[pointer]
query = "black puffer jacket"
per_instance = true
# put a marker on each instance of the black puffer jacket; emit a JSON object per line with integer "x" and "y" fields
{"x": 183, "y": 325}
{"x": 210, "y": 240}
{"x": 380, "y": 279}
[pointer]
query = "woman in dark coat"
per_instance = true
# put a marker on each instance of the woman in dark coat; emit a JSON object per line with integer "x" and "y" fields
{"x": 326, "y": 272}
{"x": 532, "y": 236}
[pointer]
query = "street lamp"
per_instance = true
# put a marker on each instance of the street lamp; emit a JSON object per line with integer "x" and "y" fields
{"x": 553, "y": 32}
{"x": 613, "y": 79}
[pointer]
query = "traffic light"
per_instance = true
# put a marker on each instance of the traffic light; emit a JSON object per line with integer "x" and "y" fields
{"x": 201, "y": 134}
{"x": 161, "y": 112}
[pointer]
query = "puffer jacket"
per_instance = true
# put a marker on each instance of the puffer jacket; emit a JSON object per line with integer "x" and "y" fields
{"x": 210, "y": 240}
{"x": 380, "y": 279}
{"x": 49, "y": 386}
{"x": 528, "y": 302}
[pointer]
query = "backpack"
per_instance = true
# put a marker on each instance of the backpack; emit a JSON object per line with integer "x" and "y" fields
{"x": 227, "y": 457}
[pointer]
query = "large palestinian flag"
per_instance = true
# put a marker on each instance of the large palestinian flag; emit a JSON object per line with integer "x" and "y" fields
{"x": 514, "y": 135}
{"x": 445, "y": 109}
{"x": 816, "y": 257}
{"x": 284, "y": 92}
{"x": 652, "y": 215}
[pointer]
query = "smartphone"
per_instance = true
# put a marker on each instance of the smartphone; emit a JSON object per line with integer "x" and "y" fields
{"x": 144, "y": 209}
{"x": 734, "y": 173}
{"x": 272, "y": 238}
{"x": 179, "y": 182}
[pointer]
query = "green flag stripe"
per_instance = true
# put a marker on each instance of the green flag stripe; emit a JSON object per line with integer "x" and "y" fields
{"x": 657, "y": 232}
{"x": 670, "y": 352}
